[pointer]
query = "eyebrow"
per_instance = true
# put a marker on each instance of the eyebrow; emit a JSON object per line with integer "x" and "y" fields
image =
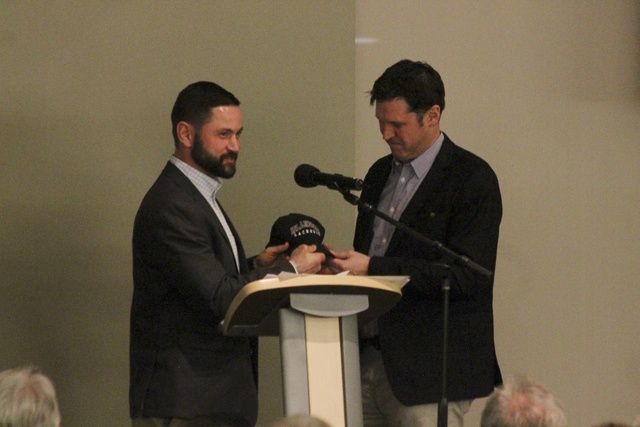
{"x": 230, "y": 130}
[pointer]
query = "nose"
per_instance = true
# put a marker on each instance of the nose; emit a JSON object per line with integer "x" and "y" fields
{"x": 387, "y": 132}
{"x": 234, "y": 143}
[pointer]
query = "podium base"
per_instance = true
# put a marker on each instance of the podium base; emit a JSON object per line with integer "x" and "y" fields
{"x": 320, "y": 358}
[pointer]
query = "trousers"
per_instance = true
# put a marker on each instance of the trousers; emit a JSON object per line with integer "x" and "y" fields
{"x": 380, "y": 407}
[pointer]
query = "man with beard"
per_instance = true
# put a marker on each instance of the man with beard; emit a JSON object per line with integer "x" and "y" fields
{"x": 188, "y": 264}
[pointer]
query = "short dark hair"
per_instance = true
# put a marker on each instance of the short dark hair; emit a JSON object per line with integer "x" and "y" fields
{"x": 194, "y": 104}
{"x": 418, "y": 83}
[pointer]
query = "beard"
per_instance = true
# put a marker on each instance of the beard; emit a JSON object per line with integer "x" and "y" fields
{"x": 213, "y": 165}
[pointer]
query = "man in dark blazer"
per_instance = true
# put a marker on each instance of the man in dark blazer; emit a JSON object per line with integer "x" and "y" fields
{"x": 448, "y": 195}
{"x": 188, "y": 264}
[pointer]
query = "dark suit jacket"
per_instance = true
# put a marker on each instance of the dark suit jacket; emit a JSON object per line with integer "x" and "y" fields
{"x": 185, "y": 278}
{"x": 458, "y": 204}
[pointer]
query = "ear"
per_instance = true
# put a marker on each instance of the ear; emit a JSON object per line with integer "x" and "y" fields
{"x": 433, "y": 115}
{"x": 186, "y": 134}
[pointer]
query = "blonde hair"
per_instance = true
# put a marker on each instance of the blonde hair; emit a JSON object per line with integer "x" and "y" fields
{"x": 27, "y": 399}
{"x": 522, "y": 402}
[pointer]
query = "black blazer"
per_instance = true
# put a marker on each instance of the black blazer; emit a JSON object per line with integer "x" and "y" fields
{"x": 185, "y": 278}
{"x": 458, "y": 204}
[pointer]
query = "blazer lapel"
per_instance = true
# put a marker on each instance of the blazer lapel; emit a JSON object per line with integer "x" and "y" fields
{"x": 242, "y": 258}
{"x": 187, "y": 186}
{"x": 434, "y": 182}
{"x": 374, "y": 183}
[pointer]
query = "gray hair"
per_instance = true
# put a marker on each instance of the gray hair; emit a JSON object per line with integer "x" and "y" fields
{"x": 522, "y": 402}
{"x": 27, "y": 399}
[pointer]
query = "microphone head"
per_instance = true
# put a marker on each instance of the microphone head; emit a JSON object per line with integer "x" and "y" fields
{"x": 303, "y": 175}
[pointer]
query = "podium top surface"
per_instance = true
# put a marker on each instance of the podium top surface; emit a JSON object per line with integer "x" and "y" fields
{"x": 254, "y": 310}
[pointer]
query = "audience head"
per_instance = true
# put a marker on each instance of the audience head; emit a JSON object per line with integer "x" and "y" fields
{"x": 27, "y": 399}
{"x": 522, "y": 402}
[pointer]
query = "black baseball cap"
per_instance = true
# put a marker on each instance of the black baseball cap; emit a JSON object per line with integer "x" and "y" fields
{"x": 298, "y": 229}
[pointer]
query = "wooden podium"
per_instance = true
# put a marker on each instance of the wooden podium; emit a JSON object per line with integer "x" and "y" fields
{"x": 317, "y": 319}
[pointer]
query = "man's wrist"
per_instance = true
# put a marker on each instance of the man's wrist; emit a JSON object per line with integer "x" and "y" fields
{"x": 293, "y": 264}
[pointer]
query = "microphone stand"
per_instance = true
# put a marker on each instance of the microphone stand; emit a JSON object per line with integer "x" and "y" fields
{"x": 443, "y": 406}
{"x": 355, "y": 200}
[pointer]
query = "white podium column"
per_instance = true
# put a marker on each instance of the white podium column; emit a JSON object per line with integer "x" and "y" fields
{"x": 320, "y": 357}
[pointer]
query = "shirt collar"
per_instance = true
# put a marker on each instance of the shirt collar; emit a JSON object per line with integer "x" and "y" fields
{"x": 207, "y": 185}
{"x": 424, "y": 161}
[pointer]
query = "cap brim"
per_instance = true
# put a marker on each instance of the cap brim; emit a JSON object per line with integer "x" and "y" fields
{"x": 322, "y": 248}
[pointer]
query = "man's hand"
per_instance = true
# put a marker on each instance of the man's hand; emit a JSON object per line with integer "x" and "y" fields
{"x": 306, "y": 260}
{"x": 271, "y": 256}
{"x": 352, "y": 261}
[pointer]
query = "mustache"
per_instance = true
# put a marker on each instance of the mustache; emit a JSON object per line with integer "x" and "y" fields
{"x": 232, "y": 156}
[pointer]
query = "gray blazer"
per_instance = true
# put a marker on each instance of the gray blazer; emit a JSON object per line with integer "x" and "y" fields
{"x": 185, "y": 278}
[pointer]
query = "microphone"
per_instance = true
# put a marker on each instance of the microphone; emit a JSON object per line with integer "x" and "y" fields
{"x": 308, "y": 176}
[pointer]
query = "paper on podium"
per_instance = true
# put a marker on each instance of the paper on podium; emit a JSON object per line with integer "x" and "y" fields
{"x": 254, "y": 310}
{"x": 398, "y": 281}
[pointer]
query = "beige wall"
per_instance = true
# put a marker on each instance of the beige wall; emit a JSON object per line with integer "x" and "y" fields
{"x": 85, "y": 96}
{"x": 549, "y": 93}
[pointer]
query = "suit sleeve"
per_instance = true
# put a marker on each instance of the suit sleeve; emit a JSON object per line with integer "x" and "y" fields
{"x": 186, "y": 251}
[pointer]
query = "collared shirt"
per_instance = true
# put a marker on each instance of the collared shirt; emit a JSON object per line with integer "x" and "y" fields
{"x": 208, "y": 187}
{"x": 402, "y": 183}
